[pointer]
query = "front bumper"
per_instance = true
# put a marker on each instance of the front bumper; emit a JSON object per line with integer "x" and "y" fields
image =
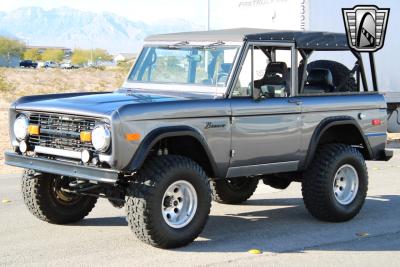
{"x": 62, "y": 168}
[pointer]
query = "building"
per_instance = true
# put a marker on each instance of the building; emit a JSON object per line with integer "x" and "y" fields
{"x": 124, "y": 57}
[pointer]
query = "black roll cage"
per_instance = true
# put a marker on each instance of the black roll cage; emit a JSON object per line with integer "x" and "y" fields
{"x": 359, "y": 68}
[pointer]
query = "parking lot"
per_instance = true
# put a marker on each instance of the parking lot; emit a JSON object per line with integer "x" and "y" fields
{"x": 272, "y": 221}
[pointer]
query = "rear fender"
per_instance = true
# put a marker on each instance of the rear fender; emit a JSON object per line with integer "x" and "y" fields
{"x": 323, "y": 127}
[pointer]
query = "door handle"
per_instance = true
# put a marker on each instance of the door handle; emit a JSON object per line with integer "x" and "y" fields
{"x": 295, "y": 101}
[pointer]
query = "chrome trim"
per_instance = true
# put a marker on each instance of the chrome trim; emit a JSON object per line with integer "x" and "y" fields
{"x": 58, "y": 152}
{"x": 26, "y": 126}
{"x": 200, "y": 89}
{"x": 261, "y": 169}
{"x": 107, "y": 138}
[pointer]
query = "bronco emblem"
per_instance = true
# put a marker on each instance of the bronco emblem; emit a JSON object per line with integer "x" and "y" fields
{"x": 210, "y": 124}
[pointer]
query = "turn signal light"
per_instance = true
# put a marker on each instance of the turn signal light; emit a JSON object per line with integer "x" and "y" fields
{"x": 86, "y": 136}
{"x": 33, "y": 129}
{"x": 376, "y": 122}
{"x": 133, "y": 136}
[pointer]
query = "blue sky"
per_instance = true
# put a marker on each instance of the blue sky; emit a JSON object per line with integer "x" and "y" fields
{"x": 149, "y": 10}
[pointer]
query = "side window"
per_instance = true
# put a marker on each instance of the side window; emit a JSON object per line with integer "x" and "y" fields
{"x": 271, "y": 73}
{"x": 243, "y": 86}
{"x": 330, "y": 72}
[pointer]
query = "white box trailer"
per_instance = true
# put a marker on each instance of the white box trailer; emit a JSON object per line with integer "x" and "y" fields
{"x": 319, "y": 15}
{"x": 268, "y": 14}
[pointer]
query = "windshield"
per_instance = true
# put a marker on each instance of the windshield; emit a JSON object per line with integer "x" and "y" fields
{"x": 204, "y": 66}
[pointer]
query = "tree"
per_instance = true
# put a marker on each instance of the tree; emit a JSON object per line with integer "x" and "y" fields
{"x": 32, "y": 54}
{"x": 80, "y": 56}
{"x": 83, "y": 56}
{"x": 101, "y": 55}
{"x": 56, "y": 55}
{"x": 11, "y": 47}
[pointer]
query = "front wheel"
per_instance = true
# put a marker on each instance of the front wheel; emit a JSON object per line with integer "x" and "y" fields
{"x": 169, "y": 202}
{"x": 46, "y": 198}
{"x": 335, "y": 187}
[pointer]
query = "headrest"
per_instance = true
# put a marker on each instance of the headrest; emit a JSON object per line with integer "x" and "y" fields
{"x": 320, "y": 77}
{"x": 276, "y": 67}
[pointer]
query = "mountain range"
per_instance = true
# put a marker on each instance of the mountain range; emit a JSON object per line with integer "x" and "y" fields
{"x": 74, "y": 28}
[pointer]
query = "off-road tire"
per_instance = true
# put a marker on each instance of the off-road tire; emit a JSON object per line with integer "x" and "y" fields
{"x": 317, "y": 186}
{"x": 36, "y": 193}
{"x": 223, "y": 192}
{"x": 145, "y": 194}
{"x": 341, "y": 77}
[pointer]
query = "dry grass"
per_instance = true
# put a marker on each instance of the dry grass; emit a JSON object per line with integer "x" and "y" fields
{"x": 15, "y": 83}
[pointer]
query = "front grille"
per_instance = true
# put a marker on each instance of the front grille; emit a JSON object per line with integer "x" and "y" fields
{"x": 61, "y": 131}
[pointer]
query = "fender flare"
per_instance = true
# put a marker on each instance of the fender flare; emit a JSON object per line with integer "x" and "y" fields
{"x": 325, "y": 125}
{"x": 170, "y": 131}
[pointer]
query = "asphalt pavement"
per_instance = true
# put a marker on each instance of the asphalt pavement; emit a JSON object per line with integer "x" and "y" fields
{"x": 273, "y": 221}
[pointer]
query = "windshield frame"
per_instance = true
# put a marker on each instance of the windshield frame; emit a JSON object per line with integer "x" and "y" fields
{"x": 185, "y": 87}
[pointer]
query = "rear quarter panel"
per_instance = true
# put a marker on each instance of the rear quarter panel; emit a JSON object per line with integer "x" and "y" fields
{"x": 370, "y": 105}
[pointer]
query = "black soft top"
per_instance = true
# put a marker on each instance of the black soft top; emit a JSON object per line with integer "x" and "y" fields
{"x": 305, "y": 40}
{"x": 302, "y": 39}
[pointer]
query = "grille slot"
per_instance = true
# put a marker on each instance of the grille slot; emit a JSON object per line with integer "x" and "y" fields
{"x": 61, "y": 131}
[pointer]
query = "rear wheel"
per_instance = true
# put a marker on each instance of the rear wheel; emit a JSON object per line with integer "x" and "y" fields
{"x": 335, "y": 186}
{"x": 233, "y": 191}
{"x": 46, "y": 198}
{"x": 169, "y": 203}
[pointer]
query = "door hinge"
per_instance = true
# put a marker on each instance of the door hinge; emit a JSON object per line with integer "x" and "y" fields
{"x": 232, "y": 153}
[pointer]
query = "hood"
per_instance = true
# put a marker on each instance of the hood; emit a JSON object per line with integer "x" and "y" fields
{"x": 94, "y": 104}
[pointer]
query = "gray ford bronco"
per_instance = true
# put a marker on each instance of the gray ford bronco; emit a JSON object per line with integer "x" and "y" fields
{"x": 205, "y": 116}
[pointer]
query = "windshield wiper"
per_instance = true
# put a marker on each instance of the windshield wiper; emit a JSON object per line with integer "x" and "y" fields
{"x": 212, "y": 45}
{"x": 178, "y": 44}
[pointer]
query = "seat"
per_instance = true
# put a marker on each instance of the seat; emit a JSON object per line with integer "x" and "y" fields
{"x": 319, "y": 81}
{"x": 275, "y": 82}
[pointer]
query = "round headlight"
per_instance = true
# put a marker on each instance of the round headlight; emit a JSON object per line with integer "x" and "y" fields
{"x": 101, "y": 138}
{"x": 21, "y": 127}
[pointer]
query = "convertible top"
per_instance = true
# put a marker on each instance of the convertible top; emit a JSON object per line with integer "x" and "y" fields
{"x": 302, "y": 39}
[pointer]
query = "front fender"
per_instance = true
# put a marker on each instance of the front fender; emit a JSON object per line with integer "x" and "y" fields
{"x": 156, "y": 135}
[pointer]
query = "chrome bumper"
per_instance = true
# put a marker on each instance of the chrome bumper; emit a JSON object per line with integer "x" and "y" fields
{"x": 62, "y": 168}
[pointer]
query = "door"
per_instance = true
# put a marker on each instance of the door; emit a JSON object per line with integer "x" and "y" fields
{"x": 266, "y": 132}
